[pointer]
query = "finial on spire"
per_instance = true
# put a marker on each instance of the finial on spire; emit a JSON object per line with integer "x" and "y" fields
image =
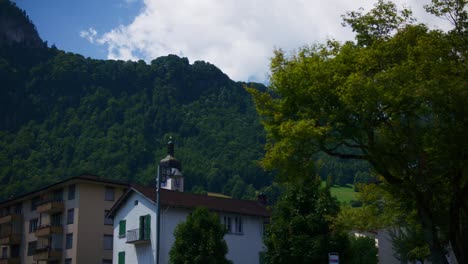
{"x": 170, "y": 147}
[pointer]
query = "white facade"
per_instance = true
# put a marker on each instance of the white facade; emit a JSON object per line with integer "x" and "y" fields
{"x": 244, "y": 242}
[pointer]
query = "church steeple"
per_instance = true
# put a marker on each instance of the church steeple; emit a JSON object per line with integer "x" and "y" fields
{"x": 171, "y": 170}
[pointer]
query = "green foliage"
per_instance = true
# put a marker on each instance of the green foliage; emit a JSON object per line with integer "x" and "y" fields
{"x": 63, "y": 115}
{"x": 344, "y": 194}
{"x": 409, "y": 243}
{"x": 363, "y": 251}
{"x": 200, "y": 239}
{"x": 300, "y": 225}
{"x": 237, "y": 188}
{"x": 342, "y": 171}
{"x": 396, "y": 98}
{"x": 378, "y": 23}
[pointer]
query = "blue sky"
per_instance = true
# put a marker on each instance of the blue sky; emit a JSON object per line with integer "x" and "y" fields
{"x": 238, "y": 36}
{"x": 60, "y": 22}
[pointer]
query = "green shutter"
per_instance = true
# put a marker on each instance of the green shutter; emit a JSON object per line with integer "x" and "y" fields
{"x": 122, "y": 228}
{"x": 121, "y": 257}
{"x": 141, "y": 229}
{"x": 147, "y": 227}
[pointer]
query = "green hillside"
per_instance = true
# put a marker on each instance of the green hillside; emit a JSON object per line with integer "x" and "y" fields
{"x": 63, "y": 114}
{"x": 344, "y": 194}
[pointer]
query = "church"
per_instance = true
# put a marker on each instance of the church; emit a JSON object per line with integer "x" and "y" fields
{"x": 140, "y": 236}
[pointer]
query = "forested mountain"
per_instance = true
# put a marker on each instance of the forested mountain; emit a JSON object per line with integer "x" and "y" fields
{"x": 62, "y": 114}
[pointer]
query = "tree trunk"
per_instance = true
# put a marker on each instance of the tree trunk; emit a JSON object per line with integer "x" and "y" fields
{"x": 430, "y": 232}
{"x": 458, "y": 230}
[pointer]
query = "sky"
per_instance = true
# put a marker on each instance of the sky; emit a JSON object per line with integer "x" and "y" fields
{"x": 238, "y": 36}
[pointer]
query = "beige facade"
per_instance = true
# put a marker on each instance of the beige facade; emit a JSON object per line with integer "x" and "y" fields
{"x": 62, "y": 223}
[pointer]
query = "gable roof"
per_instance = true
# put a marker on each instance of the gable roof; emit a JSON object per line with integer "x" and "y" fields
{"x": 190, "y": 201}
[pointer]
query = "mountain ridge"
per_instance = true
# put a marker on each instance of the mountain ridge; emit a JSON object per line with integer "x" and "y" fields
{"x": 63, "y": 114}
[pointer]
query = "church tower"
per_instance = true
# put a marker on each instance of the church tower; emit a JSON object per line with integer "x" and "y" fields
{"x": 171, "y": 170}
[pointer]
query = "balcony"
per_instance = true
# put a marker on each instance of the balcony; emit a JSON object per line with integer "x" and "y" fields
{"x": 8, "y": 236}
{"x": 48, "y": 230}
{"x": 47, "y": 254}
{"x": 10, "y": 260}
{"x": 14, "y": 217}
{"x": 138, "y": 236}
{"x": 13, "y": 239}
{"x": 50, "y": 206}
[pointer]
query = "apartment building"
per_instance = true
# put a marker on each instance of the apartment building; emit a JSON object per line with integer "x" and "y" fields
{"x": 64, "y": 223}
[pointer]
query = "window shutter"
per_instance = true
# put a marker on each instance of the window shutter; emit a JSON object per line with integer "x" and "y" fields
{"x": 122, "y": 228}
{"x": 142, "y": 227}
{"x": 147, "y": 227}
{"x": 121, "y": 257}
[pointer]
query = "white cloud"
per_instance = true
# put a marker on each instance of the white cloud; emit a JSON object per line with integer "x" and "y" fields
{"x": 238, "y": 36}
{"x": 89, "y": 34}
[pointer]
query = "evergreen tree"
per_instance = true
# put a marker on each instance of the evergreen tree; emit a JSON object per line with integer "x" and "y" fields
{"x": 300, "y": 229}
{"x": 199, "y": 240}
{"x": 363, "y": 251}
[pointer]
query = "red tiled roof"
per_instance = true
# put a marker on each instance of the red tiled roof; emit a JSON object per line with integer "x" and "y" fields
{"x": 190, "y": 200}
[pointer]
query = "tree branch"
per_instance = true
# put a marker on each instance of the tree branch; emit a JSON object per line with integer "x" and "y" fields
{"x": 343, "y": 155}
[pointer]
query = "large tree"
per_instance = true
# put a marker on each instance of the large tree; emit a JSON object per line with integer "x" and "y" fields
{"x": 396, "y": 97}
{"x": 300, "y": 229}
{"x": 199, "y": 240}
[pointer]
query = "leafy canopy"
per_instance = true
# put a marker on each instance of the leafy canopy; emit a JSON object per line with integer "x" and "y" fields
{"x": 199, "y": 240}
{"x": 396, "y": 98}
{"x": 300, "y": 229}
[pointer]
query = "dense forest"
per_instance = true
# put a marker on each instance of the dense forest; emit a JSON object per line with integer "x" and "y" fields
{"x": 63, "y": 114}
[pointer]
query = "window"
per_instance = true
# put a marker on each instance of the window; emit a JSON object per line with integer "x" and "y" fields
{"x": 34, "y": 202}
{"x": 69, "y": 241}
{"x": 33, "y": 225}
{"x": 145, "y": 227}
{"x": 238, "y": 225}
{"x": 177, "y": 182}
{"x": 107, "y": 220}
{"x": 56, "y": 219}
{"x": 70, "y": 216}
{"x": 108, "y": 242}
{"x": 121, "y": 257}
{"x": 109, "y": 196}
{"x": 122, "y": 228}
{"x": 68, "y": 261}
{"x": 32, "y": 248}
{"x": 71, "y": 192}
{"x": 4, "y": 252}
{"x": 227, "y": 224}
{"x": 135, "y": 202}
{"x": 107, "y": 261}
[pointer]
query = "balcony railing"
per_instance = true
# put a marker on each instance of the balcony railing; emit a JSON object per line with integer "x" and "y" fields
{"x": 11, "y": 218}
{"x": 9, "y": 260}
{"x": 47, "y": 230}
{"x": 138, "y": 236}
{"x": 10, "y": 236}
{"x": 13, "y": 239}
{"x": 50, "y": 206}
{"x": 47, "y": 254}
